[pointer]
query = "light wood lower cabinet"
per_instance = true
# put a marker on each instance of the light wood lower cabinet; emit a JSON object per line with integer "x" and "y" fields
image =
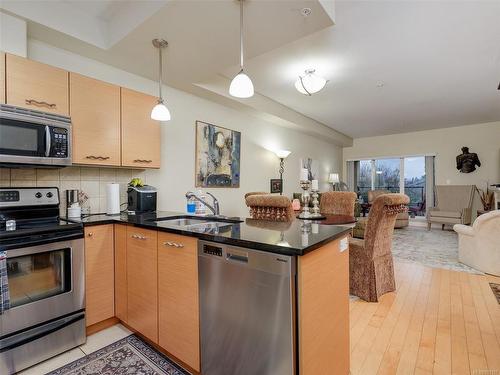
{"x": 2, "y": 77}
{"x": 141, "y": 135}
{"x": 323, "y": 311}
{"x": 34, "y": 85}
{"x": 99, "y": 273}
{"x": 121, "y": 272}
{"x": 142, "y": 281}
{"x": 179, "y": 330}
{"x": 95, "y": 115}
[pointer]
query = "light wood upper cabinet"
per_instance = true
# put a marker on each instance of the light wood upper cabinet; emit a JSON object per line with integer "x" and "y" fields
{"x": 2, "y": 77}
{"x": 99, "y": 273}
{"x": 95, "y": 114}
{"x": 140, "y": 134}
{"x": 34, "y": 85}
{"x": 142, "y": 281}
{"x": 178, "y": 311}
{"x": 121, "y": 272}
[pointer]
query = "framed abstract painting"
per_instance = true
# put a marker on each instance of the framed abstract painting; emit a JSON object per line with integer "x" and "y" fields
{"x": 217, "y": 156}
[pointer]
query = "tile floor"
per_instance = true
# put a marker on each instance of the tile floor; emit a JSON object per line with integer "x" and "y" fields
{"x": 94, "y": 342}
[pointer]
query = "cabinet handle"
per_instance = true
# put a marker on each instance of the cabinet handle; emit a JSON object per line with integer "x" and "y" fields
{"x": 39, "y": 104}
{"x": 142, "y": 161}
{"x": 90, "y": 234}
{"x": 92, "y": 157}
{"x": 139, "y": 237}
{"x": 173, "y": 244}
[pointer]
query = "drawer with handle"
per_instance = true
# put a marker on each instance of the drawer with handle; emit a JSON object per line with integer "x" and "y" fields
{"x": 143, "y": 238}
{"x": 175, "y": 241}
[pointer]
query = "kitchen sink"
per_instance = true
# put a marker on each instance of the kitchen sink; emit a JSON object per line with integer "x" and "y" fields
{"x": 189, "y": 221}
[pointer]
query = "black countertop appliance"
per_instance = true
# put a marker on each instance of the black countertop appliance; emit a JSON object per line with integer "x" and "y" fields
{"x": 141, "y": 198}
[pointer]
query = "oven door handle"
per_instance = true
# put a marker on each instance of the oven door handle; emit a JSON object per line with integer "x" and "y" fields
{"x": 48, "y": 141}
{"x": 32, "y": 334}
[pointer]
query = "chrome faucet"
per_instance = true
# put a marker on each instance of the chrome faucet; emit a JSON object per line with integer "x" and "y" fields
{"x": 215, "y": 208}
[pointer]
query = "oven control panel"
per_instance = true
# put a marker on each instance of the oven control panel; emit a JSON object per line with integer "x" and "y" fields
{"x": 9, "y": 196}
{"x": 29, "y": 196}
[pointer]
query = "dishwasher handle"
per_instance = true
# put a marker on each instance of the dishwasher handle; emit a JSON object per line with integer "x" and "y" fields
{"x": 241, "y": 258}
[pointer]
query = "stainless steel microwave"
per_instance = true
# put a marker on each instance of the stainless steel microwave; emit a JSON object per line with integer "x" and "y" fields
{"x": 29, "y": 137}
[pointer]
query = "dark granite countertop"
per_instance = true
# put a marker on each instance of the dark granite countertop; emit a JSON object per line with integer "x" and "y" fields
{"x": 288, "y": 238}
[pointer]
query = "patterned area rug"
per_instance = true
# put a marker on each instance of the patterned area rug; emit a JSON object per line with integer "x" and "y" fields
{"x": 435, "y": 248}
{"x": 496, "y": 290}
{"x": 128, "y": 356}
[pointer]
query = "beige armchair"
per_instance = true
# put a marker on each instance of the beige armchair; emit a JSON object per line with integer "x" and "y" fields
{"x": 479, "y": 245}
{"x": 454, "y": 205}
{"x": 403, "y": 218}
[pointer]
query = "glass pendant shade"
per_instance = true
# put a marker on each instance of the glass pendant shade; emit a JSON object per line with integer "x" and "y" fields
{"x": 310, "y": 83}
{"x": 241, "y": 86}
{"x": 160, "y": 112}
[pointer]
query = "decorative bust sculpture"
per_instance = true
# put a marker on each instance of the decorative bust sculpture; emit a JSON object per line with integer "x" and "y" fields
{"x": 467, "y": 161}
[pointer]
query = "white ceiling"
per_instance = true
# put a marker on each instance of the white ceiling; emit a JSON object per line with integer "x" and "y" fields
{"x": 439, "y": 63}
{"x": 393, "y": 66}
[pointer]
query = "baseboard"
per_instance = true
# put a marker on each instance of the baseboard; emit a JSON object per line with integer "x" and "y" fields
{"x": 94, "y": 328}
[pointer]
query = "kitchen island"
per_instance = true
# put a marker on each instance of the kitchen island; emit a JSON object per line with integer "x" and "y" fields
{"x": 156, "y": 291}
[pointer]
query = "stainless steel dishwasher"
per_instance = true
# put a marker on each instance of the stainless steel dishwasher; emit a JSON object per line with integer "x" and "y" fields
{"x": 247, "y": 311}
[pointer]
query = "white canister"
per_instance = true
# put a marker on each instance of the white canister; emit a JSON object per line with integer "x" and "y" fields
{"x": 75, "y": 211}
{"x": 113, "y": 199}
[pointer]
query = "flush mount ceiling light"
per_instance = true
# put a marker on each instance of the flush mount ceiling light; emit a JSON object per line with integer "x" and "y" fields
{"x": 310, "y": 83}
{"x": 241, "y": 85}
{"x": 160, "y": 111}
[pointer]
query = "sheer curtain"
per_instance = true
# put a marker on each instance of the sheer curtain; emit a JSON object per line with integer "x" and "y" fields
{"x": 351, "y": 175}
{"x": 429, "y": 181}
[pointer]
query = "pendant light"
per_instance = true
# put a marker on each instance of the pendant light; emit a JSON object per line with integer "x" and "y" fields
{"x": 160, "y": 111}
{"x": 310, "y": 83}
{"x": 241, "y": 85}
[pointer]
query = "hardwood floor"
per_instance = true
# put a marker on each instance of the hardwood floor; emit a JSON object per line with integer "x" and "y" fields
{"x": 438, "y": 322}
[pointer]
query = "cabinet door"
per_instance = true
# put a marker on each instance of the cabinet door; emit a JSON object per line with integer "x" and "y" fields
{"x": 95, "y": 114}
{"x": 140, "y": 134}
{"x": 142, "y": 281}
{"x": 121, "y": 272}
{"x": 34, "y": 85}
{"x": 2, "y": 77}
{"x": 99, "y": 273}
{"x": 179, "y": 330}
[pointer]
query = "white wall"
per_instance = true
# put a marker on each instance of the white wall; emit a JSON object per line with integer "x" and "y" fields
{"x": 176, "y": 175}
{"x": 484, "y": 139}
{"x": 12, "y": 34}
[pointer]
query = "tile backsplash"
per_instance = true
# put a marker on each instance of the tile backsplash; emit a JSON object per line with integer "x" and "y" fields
{"x": 91, "y": 180}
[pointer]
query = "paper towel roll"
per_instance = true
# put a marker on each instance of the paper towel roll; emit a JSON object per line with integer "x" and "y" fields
{"x": 112, "y": 199}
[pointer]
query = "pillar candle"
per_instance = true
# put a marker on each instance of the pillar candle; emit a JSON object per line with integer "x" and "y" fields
{"x": 314, "y": 185}
{"x": 304, "y": 174}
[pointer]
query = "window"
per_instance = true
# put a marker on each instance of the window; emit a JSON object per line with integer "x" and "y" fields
{"x": 398, "y": 175}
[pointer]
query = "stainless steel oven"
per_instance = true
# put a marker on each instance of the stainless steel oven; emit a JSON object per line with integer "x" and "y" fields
{"x": 44, "y": 264}
{"x": 30, "y": 137}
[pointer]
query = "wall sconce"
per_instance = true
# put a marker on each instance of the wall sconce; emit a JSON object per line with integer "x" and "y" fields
{"x": 282, "y": 155}
{"x": 334, "y": 179}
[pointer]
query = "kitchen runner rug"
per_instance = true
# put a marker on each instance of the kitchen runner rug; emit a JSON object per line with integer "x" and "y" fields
{"x": 130, "y": 355}
{"x": 496, "y": 290}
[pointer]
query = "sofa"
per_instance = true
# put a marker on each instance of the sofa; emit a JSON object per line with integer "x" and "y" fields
{"x": 454, "y": 205}
{"x": 479, "y": 244}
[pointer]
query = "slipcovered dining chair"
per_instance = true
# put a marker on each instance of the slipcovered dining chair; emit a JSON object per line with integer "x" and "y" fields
{"x": 269, "y": 207}
{"x": 338, "y": 203}
{"x": 403, "y": 218}
{"x": 371, "y": 268}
